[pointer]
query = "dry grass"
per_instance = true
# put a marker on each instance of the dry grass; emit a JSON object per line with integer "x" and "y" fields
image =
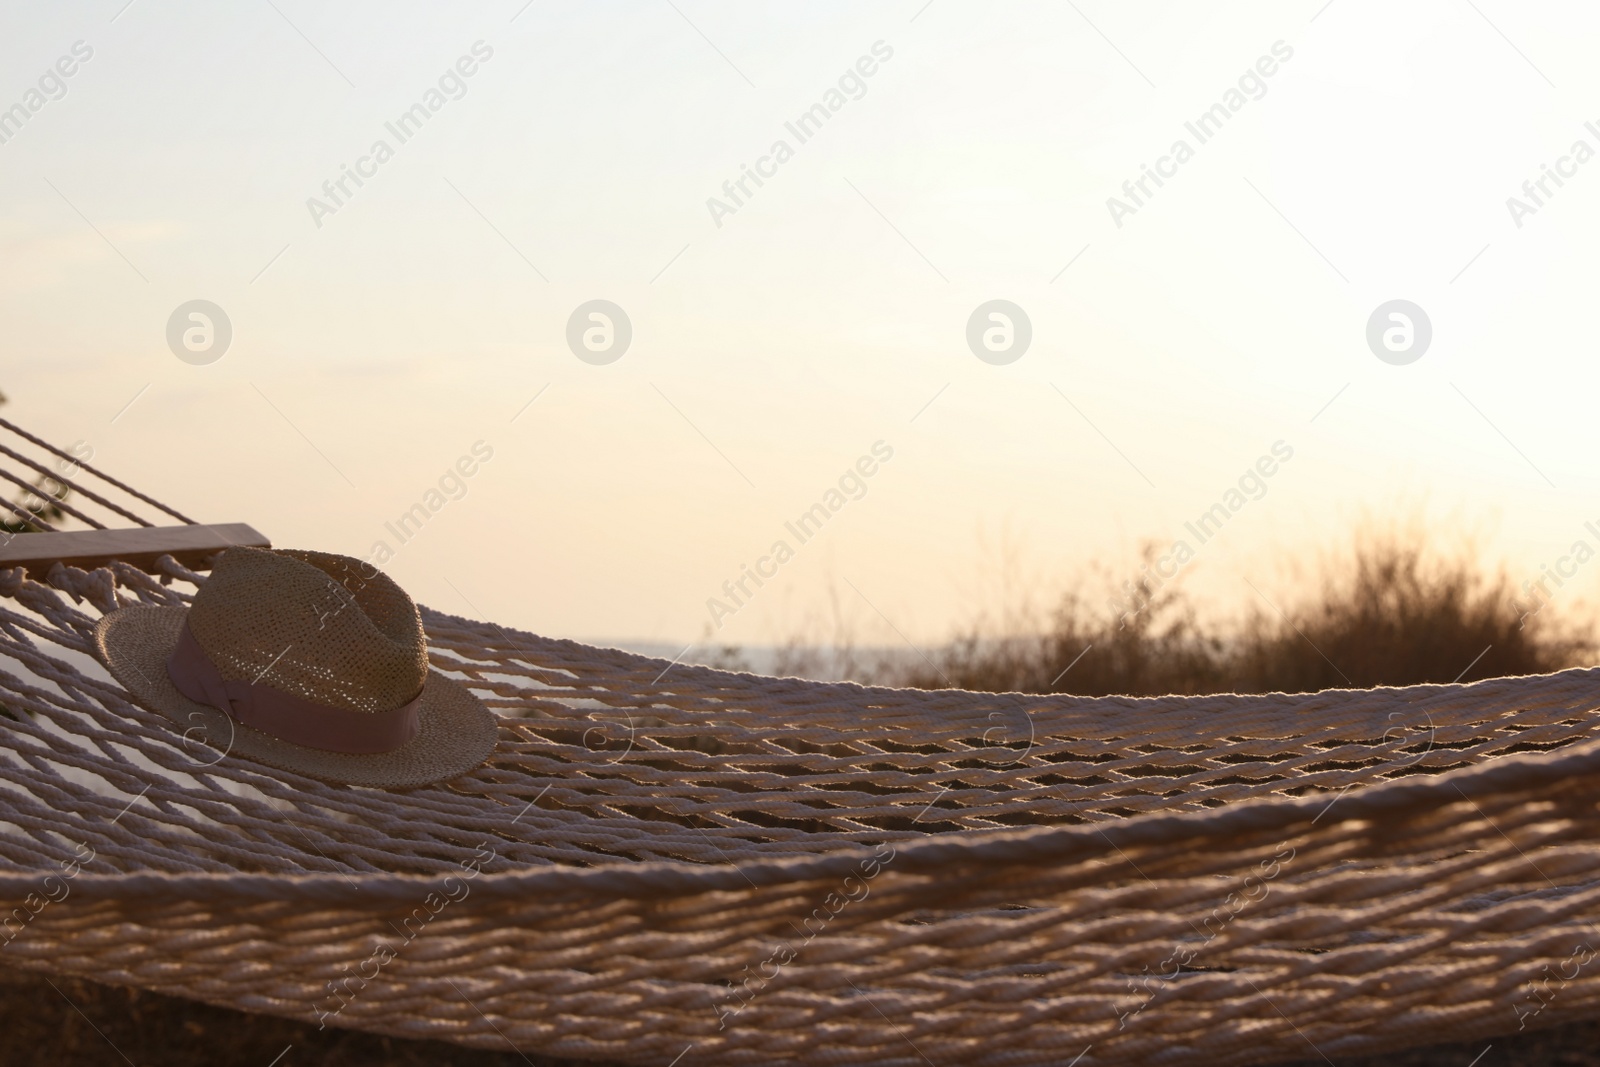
{"x": 1388, "y": 612}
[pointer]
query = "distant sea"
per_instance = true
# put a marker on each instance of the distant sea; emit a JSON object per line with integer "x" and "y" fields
{"x": 820, "y": 662}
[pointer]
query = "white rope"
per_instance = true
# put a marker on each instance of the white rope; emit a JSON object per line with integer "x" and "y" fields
{"x": 770, "y": 869}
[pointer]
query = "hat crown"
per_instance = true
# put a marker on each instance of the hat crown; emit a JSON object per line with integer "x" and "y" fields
{"x": 323, "y": 627}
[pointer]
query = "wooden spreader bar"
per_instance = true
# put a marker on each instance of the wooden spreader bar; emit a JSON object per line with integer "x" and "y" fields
{"x": 140, "y": 546}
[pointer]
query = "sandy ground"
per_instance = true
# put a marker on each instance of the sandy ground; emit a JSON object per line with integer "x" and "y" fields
{"x": 69, "y": 1023}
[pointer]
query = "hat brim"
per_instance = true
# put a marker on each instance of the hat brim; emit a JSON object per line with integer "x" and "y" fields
{"x": 457, "y": 732}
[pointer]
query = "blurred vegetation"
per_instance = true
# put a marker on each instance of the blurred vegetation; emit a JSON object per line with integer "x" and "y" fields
{"x": 1388, "y": 612}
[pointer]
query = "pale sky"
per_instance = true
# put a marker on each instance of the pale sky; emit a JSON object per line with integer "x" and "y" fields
{"x": 374, "y": 344}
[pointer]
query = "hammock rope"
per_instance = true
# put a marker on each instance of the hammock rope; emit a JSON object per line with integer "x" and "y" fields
{"x": 71, "y": 463}
{"x": 668, "y": 863}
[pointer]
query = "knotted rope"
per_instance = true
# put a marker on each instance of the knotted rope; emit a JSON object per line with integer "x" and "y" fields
{"x": 677, "y": 861}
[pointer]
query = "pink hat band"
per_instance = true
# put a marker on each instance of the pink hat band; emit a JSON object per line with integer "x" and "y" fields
{"x": 286, "y": 716}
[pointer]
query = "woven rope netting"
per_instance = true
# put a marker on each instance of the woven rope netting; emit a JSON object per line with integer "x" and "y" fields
{"x": 665, "y": 863}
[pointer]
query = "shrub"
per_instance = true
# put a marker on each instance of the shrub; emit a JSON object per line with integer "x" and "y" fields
{"x": 1391, "y": 613}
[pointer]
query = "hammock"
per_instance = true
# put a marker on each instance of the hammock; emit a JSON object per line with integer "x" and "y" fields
{"x": 672, "y": 864}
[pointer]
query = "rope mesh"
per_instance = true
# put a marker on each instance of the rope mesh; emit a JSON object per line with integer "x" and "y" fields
{"x": 665, "y": 861}
{"x": 748, "y": 866}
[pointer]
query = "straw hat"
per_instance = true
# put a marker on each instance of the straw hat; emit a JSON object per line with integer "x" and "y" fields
{"x": 306, "y": 661}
